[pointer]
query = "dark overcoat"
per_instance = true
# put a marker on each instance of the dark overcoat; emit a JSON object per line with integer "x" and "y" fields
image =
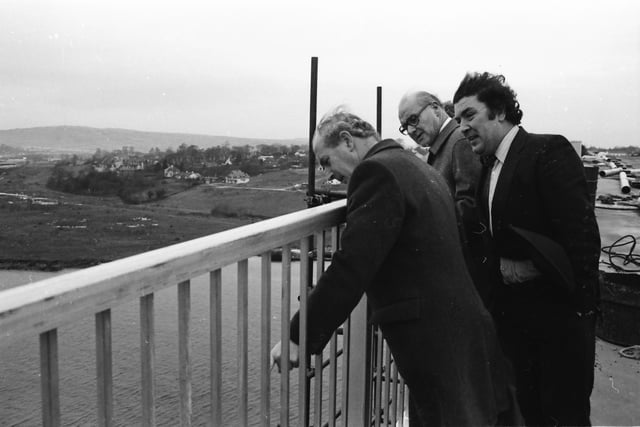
{"x": 401, "y": 247}
{"x": 545, "y": 328}
{"x": 451, "y": 155}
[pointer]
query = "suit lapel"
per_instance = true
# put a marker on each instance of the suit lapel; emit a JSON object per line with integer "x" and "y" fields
{"x": 506, "y": 176}
{"x": 440, "y": 140}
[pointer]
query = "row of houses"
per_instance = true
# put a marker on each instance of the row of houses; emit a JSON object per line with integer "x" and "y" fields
{"x": 234, "y": 177}
{"x": 124, "y": 165}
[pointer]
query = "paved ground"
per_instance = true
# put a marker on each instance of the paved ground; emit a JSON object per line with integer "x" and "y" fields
{"x": 615, "y": 400}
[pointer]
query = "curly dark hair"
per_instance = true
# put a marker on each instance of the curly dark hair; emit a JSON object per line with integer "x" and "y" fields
{"x": 491, "y": 90}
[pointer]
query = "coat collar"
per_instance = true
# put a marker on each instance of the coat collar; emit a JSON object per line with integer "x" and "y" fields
{"x": 385, "y": 144}
{"x": 443, "y": 136}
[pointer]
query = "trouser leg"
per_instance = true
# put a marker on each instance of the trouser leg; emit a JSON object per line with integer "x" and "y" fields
{"x": 552, "y": 350}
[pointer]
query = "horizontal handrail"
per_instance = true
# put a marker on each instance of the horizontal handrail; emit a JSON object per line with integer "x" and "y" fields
{"x": 54, "y": 302}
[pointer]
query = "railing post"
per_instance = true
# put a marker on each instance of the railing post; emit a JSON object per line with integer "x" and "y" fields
{"x": 148, "y": 360}
{"x": 215, "y": 338}
{"x": 243, "y": 341}
{"x": 104, "y": 368}
{"x": 184, "y": 351}
{"x": 265, "y": 389}
{"x": 359, "y": 411}
{"x": 49, "y": 378}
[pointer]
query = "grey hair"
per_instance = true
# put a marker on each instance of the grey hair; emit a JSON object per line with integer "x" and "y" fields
{"x": 340, "y": 119}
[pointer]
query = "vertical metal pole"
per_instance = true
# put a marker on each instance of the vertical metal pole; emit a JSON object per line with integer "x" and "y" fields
{"x": 311, "y": 189}
{"x": 312, "y": 128}
{"x": 379, "y": 110}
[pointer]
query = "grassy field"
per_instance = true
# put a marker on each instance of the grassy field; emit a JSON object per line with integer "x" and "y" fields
{"x": 79, "y": 231}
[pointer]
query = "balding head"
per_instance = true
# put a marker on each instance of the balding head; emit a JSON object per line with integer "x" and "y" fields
{"x": 421, "y": 116}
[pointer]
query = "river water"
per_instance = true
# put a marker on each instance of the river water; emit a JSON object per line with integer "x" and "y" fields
{"x": 19, "y": 361}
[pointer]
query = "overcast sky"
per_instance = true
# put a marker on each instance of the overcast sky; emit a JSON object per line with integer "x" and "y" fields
{"x": 242, "y": 68}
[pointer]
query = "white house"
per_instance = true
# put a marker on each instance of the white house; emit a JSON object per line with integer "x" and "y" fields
{"x": 171, "y": 171}
{"x": 236, "y": 177}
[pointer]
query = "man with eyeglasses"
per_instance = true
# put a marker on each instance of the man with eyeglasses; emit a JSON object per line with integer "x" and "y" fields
{"x": 545, "y": 247}
{"x": 400, "y": 246}
{"x": 423, "y": 117}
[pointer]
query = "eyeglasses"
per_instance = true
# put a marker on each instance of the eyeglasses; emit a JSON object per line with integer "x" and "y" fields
{"x": 412, "y": 120}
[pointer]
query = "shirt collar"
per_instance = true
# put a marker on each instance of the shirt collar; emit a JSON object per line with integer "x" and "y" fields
{"x": 446, "y": 122}
{"x": 505, "y": 144}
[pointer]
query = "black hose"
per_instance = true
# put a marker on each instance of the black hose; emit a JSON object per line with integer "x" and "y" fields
{"x": 630, "y": 261}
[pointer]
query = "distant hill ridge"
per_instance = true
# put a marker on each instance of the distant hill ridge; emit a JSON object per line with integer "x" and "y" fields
{"x": 88, "y": 139}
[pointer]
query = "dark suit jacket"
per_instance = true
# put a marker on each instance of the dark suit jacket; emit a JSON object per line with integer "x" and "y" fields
{"x": 401, "y": 247}
{"x": 451, "y": 155}
{"x": 542, "y": 188}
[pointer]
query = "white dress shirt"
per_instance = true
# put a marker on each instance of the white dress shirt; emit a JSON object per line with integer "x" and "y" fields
{"x": 501, "y": 155}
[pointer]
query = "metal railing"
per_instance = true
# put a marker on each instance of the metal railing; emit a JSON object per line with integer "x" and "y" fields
{"x": 354, "y": 382}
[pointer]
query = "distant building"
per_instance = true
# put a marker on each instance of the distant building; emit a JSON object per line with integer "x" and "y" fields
{"x": 236, "y": 177}
{"x": 171, "y": 172}
{"x": 209, "y": 179}
{"x": 100, "y": 167}
{"x": 268, "y": 161}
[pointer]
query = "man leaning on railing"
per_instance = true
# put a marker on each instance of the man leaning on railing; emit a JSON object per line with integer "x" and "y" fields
{"x": 401, "y": 247}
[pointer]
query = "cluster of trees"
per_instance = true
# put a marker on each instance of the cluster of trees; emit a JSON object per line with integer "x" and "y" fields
{"x": 77, "y": 177}
{"x": 215, "y": 160}
{"x": 132, "y": 188}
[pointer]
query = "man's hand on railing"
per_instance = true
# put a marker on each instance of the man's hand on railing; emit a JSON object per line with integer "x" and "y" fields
{"x": 276, "y": 355}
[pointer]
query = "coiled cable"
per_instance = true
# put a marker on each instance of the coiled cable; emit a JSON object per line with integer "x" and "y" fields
{"x": 630, "y": 261}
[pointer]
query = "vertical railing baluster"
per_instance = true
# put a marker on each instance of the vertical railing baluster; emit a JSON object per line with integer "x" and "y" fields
{"x": 396, "y": 401}
{"x": 243, "y": 341}
{"x": 346, "y": 338}
{"x": 333, "y": 379}
{"x": 285, "y": 314}
{"x": 387, "y": 382}
{"x": 215, "y": 342}
{"x": 404, "y": 398}
{"x": 377, "y": 403}
{"x": 333, "y": 348}
{"x": 346, "y": 345}
{"x": 265, "y": 401}
{"x": 303, "y": 380}
{"x": 147, "y": 359}
{"x": 318, "y": 358}
{"x": 49, "y": 379}
{"x": 184, "y": 351}
{"x": 104, "y": 368}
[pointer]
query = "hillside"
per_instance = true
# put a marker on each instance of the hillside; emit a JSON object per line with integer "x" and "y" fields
{"x": 87, "y": 139}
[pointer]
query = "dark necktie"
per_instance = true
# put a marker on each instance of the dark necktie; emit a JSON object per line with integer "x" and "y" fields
{"x": 488, "y": 161}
